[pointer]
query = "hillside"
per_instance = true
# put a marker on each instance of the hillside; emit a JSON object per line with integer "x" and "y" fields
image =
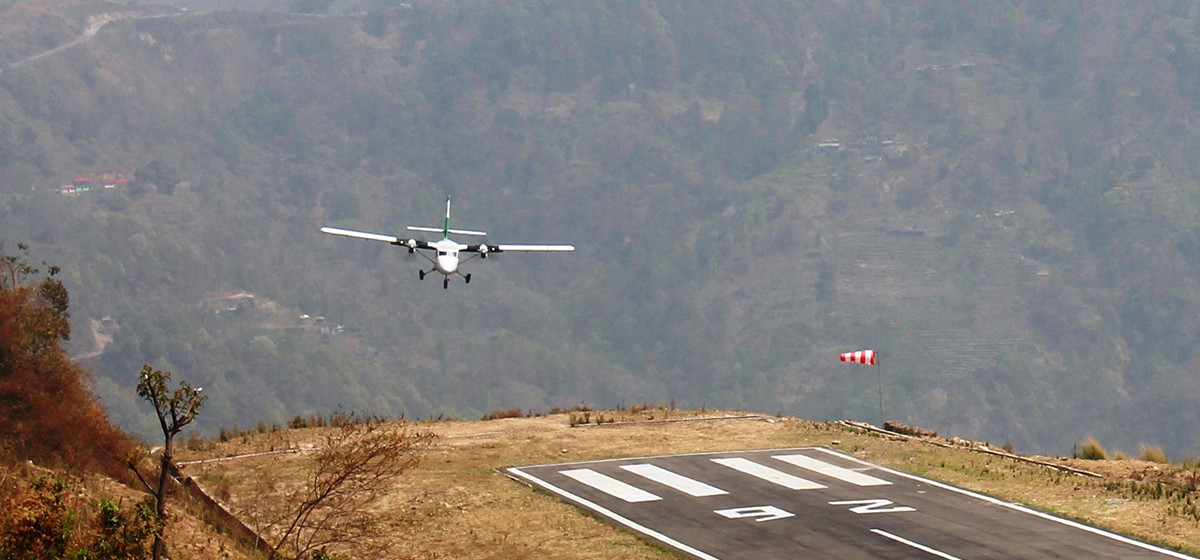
{"x": 993, "y": 196}
{"x": 455, "y": 504}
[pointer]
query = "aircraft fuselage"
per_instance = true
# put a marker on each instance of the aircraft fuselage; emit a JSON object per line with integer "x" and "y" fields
{"x": 447, "y": 255}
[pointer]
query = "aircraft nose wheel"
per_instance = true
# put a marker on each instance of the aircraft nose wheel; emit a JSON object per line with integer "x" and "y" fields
{"x": 446, "y": 283}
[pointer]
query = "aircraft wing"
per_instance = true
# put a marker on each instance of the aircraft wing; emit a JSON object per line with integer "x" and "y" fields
{"x": 410, "y": 243}
{"x": 361, "y": 235}
{"x": 504, "y": 248}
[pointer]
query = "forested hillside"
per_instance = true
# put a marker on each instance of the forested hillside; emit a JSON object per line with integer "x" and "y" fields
{"x": 999, "y": 197}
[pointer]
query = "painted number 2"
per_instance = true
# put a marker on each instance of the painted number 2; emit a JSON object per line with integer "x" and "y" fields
{"x": 872, "y": 506}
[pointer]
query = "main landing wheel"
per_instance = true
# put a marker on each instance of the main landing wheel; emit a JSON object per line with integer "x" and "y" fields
{"x": 446, "y": 283}
{"x": 421, "y": 274}
{"x": 468, "y": 277}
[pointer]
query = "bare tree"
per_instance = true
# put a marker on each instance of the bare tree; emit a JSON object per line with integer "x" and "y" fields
{"x": 175, "y": 410}
{"x": 359, "y": 461}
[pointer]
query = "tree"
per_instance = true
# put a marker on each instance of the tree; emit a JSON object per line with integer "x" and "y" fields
{"x": 175, "y": 409}
{"x": 349, "y": 473}
{"x": 47, "y": 413}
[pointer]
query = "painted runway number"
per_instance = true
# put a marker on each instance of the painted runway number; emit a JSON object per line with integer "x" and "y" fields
{"x": 760, "y": 513}
{"x": 872, "y": 506}
{"x": 771, "y": 513}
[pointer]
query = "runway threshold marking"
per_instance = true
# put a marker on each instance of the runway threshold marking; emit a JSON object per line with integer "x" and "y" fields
{"x": 843, "y": 474}
{"x": 620, "y": 519}
{"x": 610, "y": 486}
{"x": 689, "y": 486}
{"x": 769, "y": 474}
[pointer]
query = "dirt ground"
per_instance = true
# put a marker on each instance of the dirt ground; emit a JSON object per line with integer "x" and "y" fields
{"x": 456, "y": 504}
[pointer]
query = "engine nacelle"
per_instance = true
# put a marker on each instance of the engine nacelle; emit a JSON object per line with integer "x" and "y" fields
{"x": 483, "y": 251}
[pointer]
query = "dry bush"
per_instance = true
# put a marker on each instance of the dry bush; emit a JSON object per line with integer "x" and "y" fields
{"x": 333, "y": 509}
{"x": 636, "y": 408}
{"x": 51, "y": 517}
{"x": 1091, "y": 450}
{"x": 1153, "y": 453}
{"x": 504, "y": 413}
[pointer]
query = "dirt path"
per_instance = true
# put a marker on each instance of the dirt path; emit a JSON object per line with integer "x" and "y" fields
{"x": 88, "y": 32}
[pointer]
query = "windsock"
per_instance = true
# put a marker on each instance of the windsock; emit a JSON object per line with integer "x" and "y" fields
{"x": 865, "y": 357}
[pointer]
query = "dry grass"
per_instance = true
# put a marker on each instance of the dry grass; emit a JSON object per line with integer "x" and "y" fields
{"x": 457, "y": 505}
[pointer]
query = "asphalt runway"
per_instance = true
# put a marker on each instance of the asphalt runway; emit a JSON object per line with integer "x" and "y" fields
{"x": 813, "y": 502}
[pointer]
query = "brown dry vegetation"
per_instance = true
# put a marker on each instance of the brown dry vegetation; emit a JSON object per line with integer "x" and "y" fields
{"x": 187, "y": 537}
{"x": 456, "y": 504}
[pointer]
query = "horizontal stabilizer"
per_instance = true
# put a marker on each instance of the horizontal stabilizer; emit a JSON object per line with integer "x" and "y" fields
{"x": 360, "y": 234}
{"x": 454, "y": 231}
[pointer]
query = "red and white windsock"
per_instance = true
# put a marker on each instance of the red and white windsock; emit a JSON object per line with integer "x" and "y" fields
{"x": 865, "y": 357}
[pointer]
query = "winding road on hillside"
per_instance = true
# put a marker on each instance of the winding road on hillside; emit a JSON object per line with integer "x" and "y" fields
{"x": 88, "y": 32}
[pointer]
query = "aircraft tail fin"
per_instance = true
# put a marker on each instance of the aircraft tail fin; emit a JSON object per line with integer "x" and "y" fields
{"x": 446, "y": 230}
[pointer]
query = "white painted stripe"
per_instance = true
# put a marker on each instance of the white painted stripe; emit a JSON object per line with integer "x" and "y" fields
{"x": 610, "y": 486}
{"x": 679, "y": 482}
{"x": 768, "y": 474}
{"x": 828, "y": 469}
{"x": 915, "y": 545}
{"x": 612, "y": 515}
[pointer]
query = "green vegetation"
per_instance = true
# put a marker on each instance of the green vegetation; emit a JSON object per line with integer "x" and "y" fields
{"x": 1008, "y": 217}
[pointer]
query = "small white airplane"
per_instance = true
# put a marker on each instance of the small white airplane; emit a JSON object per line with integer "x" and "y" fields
{"x": 447, "y": 249}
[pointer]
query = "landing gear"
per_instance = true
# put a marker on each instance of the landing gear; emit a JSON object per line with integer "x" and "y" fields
{"x": 468, "y": 277}
{"x": 446, "y": 283}
{"x": 421, "y": 274}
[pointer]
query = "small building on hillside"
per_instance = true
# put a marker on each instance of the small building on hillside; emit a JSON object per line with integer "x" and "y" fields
{"x": 111, "y": 180}
{"x": 829, "y": 145}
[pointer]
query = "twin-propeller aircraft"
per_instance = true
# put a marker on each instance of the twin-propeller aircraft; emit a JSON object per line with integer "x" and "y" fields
{"x": 447, "y": 250}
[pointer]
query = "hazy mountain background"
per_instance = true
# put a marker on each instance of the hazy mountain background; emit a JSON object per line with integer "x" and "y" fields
{"x": 999, "y": 197}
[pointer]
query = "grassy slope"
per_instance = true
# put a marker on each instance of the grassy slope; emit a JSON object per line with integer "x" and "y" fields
{"x": 457, "y": 505}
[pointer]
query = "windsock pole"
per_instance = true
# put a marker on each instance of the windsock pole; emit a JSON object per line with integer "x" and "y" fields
{"x": 879, "y": 376}
{"x": 869, "y": 358}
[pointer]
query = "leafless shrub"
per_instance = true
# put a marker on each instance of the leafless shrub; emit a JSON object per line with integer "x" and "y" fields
{"x": 333, "y": 509}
